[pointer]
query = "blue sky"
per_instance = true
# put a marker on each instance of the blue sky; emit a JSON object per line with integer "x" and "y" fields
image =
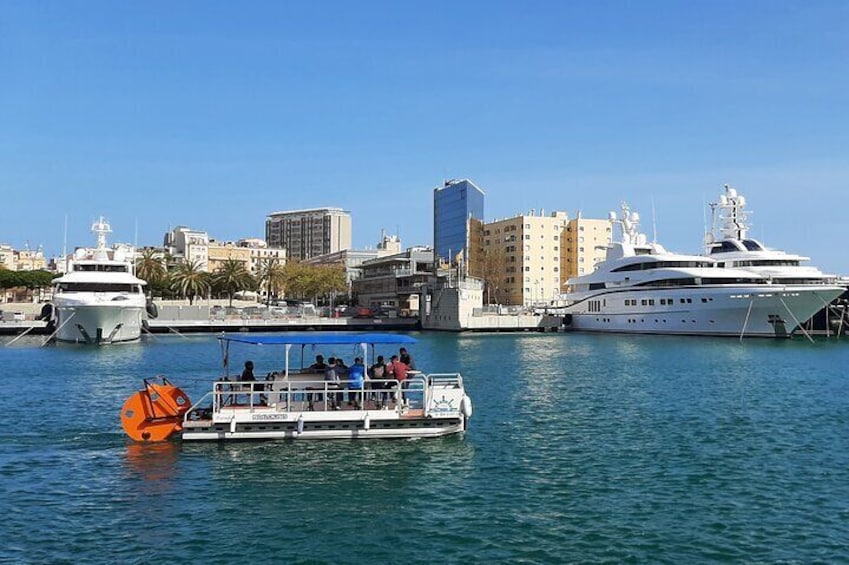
{"x": 212, "y": 115}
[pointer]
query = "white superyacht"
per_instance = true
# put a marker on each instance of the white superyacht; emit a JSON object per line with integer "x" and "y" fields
{"x": 642, "y": 288}
{"x": 99, "y": 300}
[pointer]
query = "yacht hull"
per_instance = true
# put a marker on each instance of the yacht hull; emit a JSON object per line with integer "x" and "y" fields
{"x": 98, "y": 324}
{"x": 753, "y": 312}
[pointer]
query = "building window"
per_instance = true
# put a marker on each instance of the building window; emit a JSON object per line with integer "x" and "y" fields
{"x": 527, "y": 237}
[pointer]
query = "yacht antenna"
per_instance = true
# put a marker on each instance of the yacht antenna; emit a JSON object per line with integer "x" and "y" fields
{"x": 653, "y": 222}
{"x": 65, "y": 244}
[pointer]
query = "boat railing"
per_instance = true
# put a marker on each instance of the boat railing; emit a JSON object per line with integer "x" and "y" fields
{"x": 289, "y": 395}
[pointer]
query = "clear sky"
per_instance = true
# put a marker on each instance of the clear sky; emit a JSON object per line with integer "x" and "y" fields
{"x": 214, "y": 114}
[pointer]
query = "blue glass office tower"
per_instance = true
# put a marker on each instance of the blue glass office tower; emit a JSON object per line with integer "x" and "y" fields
{"x": 453, "y": 203}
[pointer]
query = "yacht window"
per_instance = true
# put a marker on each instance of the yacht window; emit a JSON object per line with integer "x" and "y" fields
{"x": 723, "y": 247}
{"x": 741, "y": 280}
{"x": 752, "y": 245}
{"x": 98, "y": 287}
{"x": 768, "y": 263}
{"x": 648, "y": 265}
{"x": 685, "y": 281}
{"x": 101, "y": 268}
{"x": 596, "y": 286}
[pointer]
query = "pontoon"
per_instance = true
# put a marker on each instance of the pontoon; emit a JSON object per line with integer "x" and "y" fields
{"x": 295, "y": 403}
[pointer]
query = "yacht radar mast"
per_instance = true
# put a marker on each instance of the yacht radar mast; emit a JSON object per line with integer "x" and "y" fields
{"x": 101, "y": 228}
{"x": 732, "y": 215}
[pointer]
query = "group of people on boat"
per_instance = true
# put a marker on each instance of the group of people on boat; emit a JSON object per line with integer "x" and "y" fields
{"x": 373, "y": 383}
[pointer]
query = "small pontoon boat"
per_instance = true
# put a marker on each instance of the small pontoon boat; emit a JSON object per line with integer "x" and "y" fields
{"x": 300, "y": 404}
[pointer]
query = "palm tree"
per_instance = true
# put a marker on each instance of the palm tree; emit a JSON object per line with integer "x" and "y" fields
{"x": 233, "y": 277}
{"x": 190, "y": 281}
{"x": 150, "y": 267}
{"x": 272, "y": 277}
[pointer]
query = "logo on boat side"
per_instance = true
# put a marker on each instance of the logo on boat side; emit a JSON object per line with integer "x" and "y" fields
{"x": 443, "y": 405}
{"x": 269, "y": 417}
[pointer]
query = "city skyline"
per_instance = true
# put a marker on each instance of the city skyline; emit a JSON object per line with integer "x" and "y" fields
{"x": 214, "y": 116}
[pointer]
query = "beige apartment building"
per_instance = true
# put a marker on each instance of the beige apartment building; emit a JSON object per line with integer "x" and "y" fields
{"x": 527, "y": 259}
{"x": 22, "y": 260}
{"x": 309, "y": 233}
{"x": 584, "y": 244}
{"x": 526, "y": 251}
{"x": 252, "y": 253}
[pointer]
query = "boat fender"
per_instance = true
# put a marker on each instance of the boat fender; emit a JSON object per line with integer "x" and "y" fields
{"x": 366, "y": 422}
{"x": 300, "y": 424}
{"x": 152, "y": 310}
{"x": 466, "y": 406}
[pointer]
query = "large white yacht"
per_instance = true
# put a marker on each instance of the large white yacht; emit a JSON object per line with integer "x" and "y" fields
{"x": 642, "y": 288}
{"x": 99, "y": 299}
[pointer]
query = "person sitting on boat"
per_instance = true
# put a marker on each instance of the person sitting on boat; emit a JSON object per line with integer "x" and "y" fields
{"x": 248, "y": 376}
{"x": 319, "y": 366}
{"x": 331, "y": 378}
{"x": 356, "y": 383}
{"x": 377, "y": 373}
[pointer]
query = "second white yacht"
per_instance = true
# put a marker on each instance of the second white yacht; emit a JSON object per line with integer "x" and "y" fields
{"x": 733, "y": 248}
{"x": 99, "y": 300}
{"x": 642, "y": 288}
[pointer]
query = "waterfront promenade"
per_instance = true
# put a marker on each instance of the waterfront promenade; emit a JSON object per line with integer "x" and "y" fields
{"x": 178, "y": 316}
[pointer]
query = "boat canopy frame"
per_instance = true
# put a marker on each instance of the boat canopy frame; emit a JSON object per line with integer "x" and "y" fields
{"x": 364, "y": 340}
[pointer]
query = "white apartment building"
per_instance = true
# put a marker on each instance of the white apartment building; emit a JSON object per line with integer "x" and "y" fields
{"x": 188, "y": 245}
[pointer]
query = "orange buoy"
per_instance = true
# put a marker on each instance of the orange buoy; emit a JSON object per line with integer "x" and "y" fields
{"x": 154, "y": 413}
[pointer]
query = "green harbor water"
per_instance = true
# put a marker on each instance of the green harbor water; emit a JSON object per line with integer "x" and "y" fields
{"x": 582, "y": 448}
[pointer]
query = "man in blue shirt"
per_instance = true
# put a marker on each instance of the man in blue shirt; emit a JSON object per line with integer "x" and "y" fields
{"x": 356, "y": 381}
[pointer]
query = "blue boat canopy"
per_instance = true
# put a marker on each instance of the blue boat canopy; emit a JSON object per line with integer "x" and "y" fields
{"x": 319, "y": 339}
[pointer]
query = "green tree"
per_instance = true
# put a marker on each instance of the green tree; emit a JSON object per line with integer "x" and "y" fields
{"x": 272, "y": 278}
{"x": 232, "y": 277}
{"x": 189, "y": 281}
{"x": 150, "y": 267}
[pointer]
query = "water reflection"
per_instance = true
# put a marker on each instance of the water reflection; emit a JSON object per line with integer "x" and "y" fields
{"x": 152, "y": 462}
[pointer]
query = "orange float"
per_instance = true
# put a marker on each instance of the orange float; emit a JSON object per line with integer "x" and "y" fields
{"x": 155, "y": 413}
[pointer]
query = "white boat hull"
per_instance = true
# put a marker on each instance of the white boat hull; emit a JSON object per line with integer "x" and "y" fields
{"x": 382, "y": 425}
{"x": 763, "y": 312}
{"x": 100, "y": 323}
